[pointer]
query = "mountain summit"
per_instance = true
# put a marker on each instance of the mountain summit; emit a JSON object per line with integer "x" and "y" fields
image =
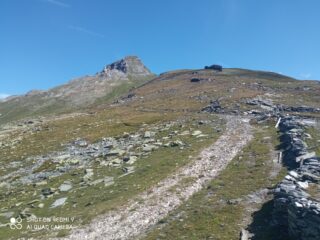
{"x": 131, "y": 65}
{"x": 117, "y": 77}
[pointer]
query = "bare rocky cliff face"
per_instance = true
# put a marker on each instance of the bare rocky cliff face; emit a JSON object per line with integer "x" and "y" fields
{"x": 80, "y": 92}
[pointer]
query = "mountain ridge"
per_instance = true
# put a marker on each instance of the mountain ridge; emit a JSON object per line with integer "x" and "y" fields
{"x": 79, "y": 92}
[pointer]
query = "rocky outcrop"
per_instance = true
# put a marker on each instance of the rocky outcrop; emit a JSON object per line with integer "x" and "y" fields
{"x": 300, "y": 109}
{"x": 294, "y": 207}
{"x": 266, "y": 104}
{"x": 131, "y": 65}
{"x": 214, "y": 107}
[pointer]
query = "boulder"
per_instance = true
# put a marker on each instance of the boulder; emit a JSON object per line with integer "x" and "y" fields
{"x": 59, "y": 202}
{"x": 65, "y": 187}
{"x": 214, "y": 107}
{"x": 196, "y": 133}
{"x": 48, "y": 191}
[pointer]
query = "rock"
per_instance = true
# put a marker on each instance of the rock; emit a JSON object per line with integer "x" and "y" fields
{"x": 148, "y": 148}
{"x": 73, "y": 161}
{"x": 132, "y": 160}
{"x": 307, "y": 136}
{"x": 115, "y": 152}
{"x": 176, "y": 143}
{"x": 290, "y": 178}
{"x": 89, "y": 171}
{"x": 41, "y": 183}
{"x": 303, "y": 185}
{"x": 128, "y": 170}
{"x": 196, "y": 133}
{"x": 59, "y": 202}
{"x": 47, "y": 191}
{"x": 184, "y": 133}
{"x": 305, "y": 156}
{"x": 261, "y": 102}
{"x": 88, "y": 175}
{"x": 41, "y": 205}
{"x": 62, "y": 158}
{"x": 299, "y": 205}
{"x": 81, "y": 143}
{"x": 244, "y": 234}
{"x": 65, "y": 187}
{"x": 310, "y": 177}
{"x": 195, "y": 80}
{"x": 33, "y": 201}
{"x": 147, "y": 134}
{"x": 214, "y": 107}
{"x": 234, "y": 201}
{"x": 95, "y": 182}
{"x": 130, "y": 65}
{"x": 294, "y": 174}
{"x": 25, "y": 213}
{"x": 158, "y": 143}
{"x": 126, "y": 135}
{"x": 202, "y": 135}
{"x": 300, "y": 109}
{"x": 116, "y": 161}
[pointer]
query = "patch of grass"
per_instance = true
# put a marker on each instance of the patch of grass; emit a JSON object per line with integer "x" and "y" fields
{"x": 314, "y": 141}
{"x": 314, "y": 191}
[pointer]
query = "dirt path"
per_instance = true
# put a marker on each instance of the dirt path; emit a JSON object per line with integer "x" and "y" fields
{"x": 136, "y": 217}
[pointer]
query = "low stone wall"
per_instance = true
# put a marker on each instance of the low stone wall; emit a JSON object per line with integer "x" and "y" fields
{"x": 294, "y": 208}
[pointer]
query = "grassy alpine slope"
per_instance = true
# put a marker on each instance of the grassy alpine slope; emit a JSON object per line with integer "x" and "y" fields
{"x": 157, "y": 130}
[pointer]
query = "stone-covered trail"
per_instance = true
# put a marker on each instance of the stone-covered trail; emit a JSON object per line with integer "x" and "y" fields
{"x": 153, "y": 205}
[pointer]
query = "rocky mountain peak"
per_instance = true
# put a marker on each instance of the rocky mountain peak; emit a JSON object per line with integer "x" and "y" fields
{"x": 130, "y": 65}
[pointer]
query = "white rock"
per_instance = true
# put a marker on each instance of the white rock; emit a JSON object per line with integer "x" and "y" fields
{"x": 196, "y": 133}
{"x": 303, "y": 185}
{"x": 59, "y": 202}
{"x": 65, "y": 187}
{"x": 294, "y": 174}
{"x": 305, "y": 156}
{"x": 288, "y": 177}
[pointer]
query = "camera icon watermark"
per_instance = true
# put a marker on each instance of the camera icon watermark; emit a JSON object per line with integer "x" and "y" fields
{"x": 15, "y": 223}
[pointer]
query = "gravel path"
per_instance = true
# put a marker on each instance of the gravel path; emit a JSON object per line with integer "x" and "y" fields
{"x": 136, "y": 217}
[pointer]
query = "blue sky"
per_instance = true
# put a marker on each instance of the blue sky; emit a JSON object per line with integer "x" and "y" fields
{"x": 44, "y": 43}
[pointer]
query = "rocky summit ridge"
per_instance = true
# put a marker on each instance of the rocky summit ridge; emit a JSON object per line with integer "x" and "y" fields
{"x": 131, "y": 65}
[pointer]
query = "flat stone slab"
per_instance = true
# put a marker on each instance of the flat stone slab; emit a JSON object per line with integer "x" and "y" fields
{"x": 59, "y": 202}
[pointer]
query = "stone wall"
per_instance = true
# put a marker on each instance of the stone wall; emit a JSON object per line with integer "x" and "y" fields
{"x": 294, "y": 208}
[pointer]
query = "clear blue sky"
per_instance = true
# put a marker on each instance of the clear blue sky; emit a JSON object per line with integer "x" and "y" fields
{"x": 44, "y": 43}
